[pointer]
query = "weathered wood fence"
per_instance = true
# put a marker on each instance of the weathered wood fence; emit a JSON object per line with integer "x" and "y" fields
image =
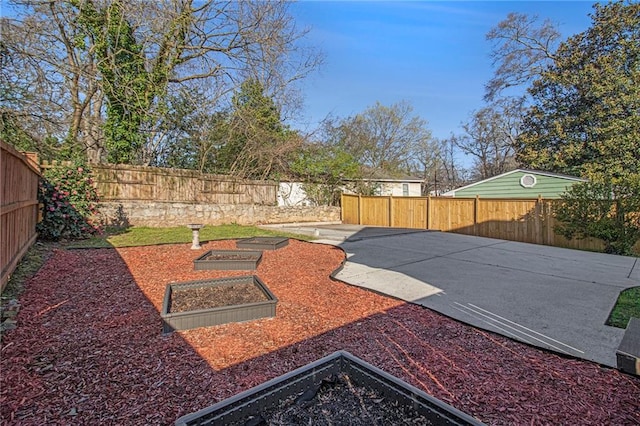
{"x": 151, "y": 196}
{"x": 524, "y": 220}
{"x": 18, "y": 207}
{"x": 122, "y": 182}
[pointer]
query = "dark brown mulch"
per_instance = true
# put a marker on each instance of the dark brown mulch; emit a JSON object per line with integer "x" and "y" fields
{"x": 89, "y": 347}
{"x": 195, "y": 298}
{"x": 340, "y": 402}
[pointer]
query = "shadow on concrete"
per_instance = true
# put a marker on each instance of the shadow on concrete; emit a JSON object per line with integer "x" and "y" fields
{"x": 558, "y": 299}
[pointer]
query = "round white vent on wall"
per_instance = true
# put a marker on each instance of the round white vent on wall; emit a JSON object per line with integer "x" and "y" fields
{"x": 528, "y": 181}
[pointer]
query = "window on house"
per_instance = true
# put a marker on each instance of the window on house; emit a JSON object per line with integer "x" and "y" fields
{"x": 405, "y": 189}
{"x": 528, "y": 181}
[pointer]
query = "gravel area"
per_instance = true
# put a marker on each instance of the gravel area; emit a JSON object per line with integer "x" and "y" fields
{"x": 89, "y": 349}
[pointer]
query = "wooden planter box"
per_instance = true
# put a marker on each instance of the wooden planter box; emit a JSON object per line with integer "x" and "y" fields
{"x": 249, "y": 404}
{"x": 228, "y": 260}
{"x": 216, "y": 315}
{"x": 262, "y": 243}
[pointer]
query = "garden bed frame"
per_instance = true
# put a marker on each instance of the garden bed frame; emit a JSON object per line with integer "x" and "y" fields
{"x": 249, "y": 404}
{"x": 250, "y": 260}
{"x": 219, "y": 315}
{"x": 262, "y": 243}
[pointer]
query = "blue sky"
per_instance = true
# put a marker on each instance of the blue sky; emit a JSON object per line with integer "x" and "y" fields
{"x": 432, "y": 54}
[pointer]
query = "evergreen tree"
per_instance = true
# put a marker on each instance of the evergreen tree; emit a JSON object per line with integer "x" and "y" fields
{"x": 585, "y": 118}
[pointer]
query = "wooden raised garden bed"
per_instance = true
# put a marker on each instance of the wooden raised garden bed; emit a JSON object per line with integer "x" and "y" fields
{"x": 262, "y": 243}
{"x": 205, "y": 303}
{"x": 228, "y": 260}
{"x": 332, "y": 390}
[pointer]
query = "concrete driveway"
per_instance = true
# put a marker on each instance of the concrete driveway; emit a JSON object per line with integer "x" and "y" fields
{"x": 554, "y": 298}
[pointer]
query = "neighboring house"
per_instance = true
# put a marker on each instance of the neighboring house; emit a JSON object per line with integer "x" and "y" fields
{"x": 403, "y": 186}
{"x": 293, "y": 194}
{"x": 519, "y": 183}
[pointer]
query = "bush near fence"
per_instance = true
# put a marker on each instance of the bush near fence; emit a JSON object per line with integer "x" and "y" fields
{"x": 523, "y": 220}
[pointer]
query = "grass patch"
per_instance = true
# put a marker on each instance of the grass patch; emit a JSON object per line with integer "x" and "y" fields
{"x": 143, "y": 236}
{"x": 28, "y": 266}
{"x": 627, "y": 306}
{"x": 38, "y": 254}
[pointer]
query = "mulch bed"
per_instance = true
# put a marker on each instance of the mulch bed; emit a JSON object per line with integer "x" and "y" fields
{"x": 89, "y": 347}
{"x": 339, "y": 401}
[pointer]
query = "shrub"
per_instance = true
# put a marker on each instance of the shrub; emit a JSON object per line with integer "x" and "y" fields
{"x": 608, "y": 210}
{"x": 69, "y": 202}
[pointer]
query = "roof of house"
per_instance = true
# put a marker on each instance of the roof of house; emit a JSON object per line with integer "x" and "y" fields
{"x": 528, "y": 171}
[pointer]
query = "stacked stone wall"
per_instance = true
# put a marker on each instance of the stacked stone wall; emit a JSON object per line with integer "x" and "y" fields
{"x": 161, "y": 214}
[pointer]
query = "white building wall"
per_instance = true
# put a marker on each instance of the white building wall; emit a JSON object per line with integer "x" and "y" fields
{"x": 292, "y": 194}
{"x": 396, "y": 189}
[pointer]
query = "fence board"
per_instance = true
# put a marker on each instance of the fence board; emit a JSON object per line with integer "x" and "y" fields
{"x": 375, "y": 210}
{"x": 523, "y": 220}
{"x": 409, "y": 212}
{"x": 350, "y": 209}
{"x": 18, "y": 208}
{"x": 514, "y": 220}
{"x": 118, "y": 182}
{"x": 448, "y": 215}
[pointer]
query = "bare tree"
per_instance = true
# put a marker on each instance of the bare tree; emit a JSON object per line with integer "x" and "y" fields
{"x": 385, "y": 139}
{"x": 62, "y": 92}
{"x": 439, "y": 167}
{"x": 490, "y": 137}
{"x": 448, "y": 174}
{"x": 522, "y": 47}
{"x": 427, "y": 164}
{"x": 74, "y": 53}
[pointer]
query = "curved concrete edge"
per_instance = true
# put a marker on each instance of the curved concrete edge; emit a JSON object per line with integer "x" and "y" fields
{"x": 411, "y": 290}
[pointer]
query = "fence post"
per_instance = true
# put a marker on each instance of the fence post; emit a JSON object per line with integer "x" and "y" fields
{"x": 359, "y": 209}
{"x": 390, "y": 211}
{"x": 548, "y": 233}
{"x": 342, "y": 207}
{"x": 428, "y": 211}
{"x": 476, "y": 205}
{"x": 538, "y": 221}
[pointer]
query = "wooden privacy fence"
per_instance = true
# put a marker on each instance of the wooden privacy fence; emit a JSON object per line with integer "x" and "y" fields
{"x": 121, "y": 182}
{"x": 524, "y": 220}
{"x": 18, "y": 208}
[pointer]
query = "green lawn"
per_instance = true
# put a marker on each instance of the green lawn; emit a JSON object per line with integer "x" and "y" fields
{"x": 627, "y": 306}
{"x": 143, "y": 236}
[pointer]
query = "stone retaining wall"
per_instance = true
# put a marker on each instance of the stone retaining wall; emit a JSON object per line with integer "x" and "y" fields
{"x": 160, "y": 214}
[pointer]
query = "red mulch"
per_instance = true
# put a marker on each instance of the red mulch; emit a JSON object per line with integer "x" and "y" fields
{"x": 89, "y": 348}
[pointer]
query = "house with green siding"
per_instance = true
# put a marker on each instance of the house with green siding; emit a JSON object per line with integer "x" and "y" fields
{"x": 519, "y": 183}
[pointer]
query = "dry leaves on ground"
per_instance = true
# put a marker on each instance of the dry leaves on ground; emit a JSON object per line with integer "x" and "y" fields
{"x": 89, "y": 347}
